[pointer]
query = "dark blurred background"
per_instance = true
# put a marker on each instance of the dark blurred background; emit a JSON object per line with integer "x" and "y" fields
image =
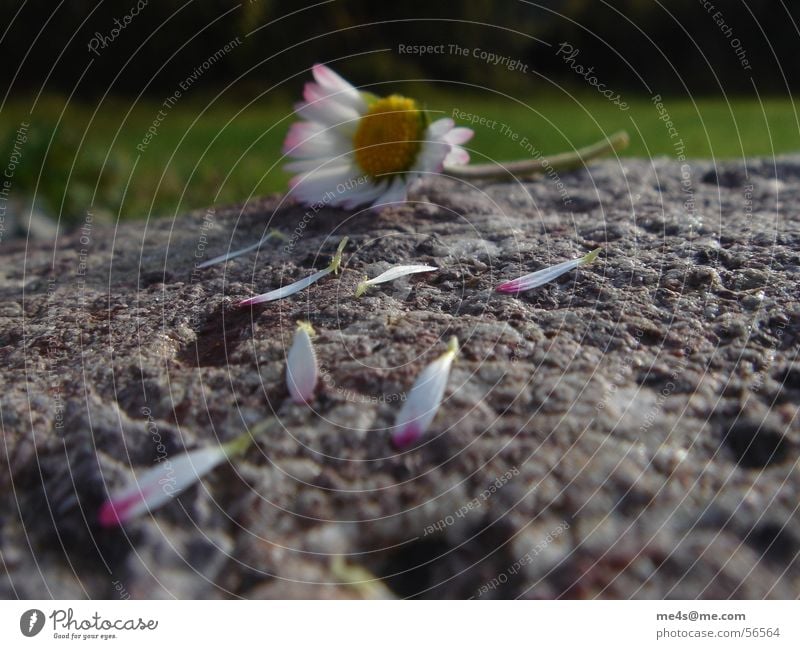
{"x": 677, "y": 42}
{"x": 726, "y": 68}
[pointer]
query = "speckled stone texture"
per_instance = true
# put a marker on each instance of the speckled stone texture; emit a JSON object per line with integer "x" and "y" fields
{"x": 627, "y": 431}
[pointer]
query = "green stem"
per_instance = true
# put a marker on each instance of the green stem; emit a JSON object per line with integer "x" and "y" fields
{"x": 537, "y": 166}
{"x": 238, "y": 445}
{"x": 337, "y": 257}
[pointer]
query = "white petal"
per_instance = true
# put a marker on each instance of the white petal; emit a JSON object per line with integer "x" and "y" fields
{"x": 330, "y": 113}
{"x": 317, "y": 164}
{"x": 393, "y": 273}
{"x": 324, "y": 144}
{"x": 286, "y": 291}
{"x": 326, "y": 77}
{"x": 424, "y": 399}
{"x": 399, "y": 271}
{"x": 230, "y": 255}
{"x": 533, "y": 280}
{"x": 360, "y": 195}
{"x": 300, "y": 134}
{"x": 299, "y": 285}
{"x": 438, "y": 129}
{"x": 237, "y": 253}
{"x": 458, "y": 135}
{"x": 301, "y": 365}
{"x": 329, "y": 173}
{"x": 457, "y": 156}
{"x": 335, "y": 84}
{"x": 313, "y": 92}
{"x": 432, "y": 156}
{"x": 440, "y": 146}
{"x": 158, "y": 485}
{"x": 395, "y": 193}
{"x": 323, "y": 185}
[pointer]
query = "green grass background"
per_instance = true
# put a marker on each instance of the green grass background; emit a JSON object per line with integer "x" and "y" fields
{"x": 82, "y": 156}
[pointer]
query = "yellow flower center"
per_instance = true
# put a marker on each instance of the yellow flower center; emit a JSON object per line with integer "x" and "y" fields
{"x": 389, "y": 136}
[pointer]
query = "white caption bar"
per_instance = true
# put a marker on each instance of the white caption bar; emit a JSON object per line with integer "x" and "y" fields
{"x": 404, "y": 624}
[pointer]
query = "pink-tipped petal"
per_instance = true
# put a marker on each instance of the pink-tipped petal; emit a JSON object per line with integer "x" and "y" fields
{"x": 313, "y": 92}
{"x": 508, "y": 287}
{"x": 332, "y": 84}
{"x": 457, "y": 156}
{"x": 298, "y": 133}
{"x": 306, "y": 140}
{"x": 406, "y": 436}
{"x": 459, "y": 135}
{"x": 108, "y": 516}
{"x": 328, "y": 112}
{"x": 157, "y": 485}
{"x": 328, "y": 78}
{"x": 432, "y": 156}
{"x": 540, "y": 277}
{"x": 424, "y": 399}
{"x": 113, "y": 512}
{"x": 285, "y": 291}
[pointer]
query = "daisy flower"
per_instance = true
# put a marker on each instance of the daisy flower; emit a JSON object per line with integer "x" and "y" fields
{"x": 354, "y": 148}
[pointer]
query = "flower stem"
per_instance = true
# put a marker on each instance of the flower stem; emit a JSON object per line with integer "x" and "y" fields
{"x": 537, "y": 166}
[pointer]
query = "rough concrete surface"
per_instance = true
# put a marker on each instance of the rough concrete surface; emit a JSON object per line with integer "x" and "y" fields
{"x": 627, "y": 431}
